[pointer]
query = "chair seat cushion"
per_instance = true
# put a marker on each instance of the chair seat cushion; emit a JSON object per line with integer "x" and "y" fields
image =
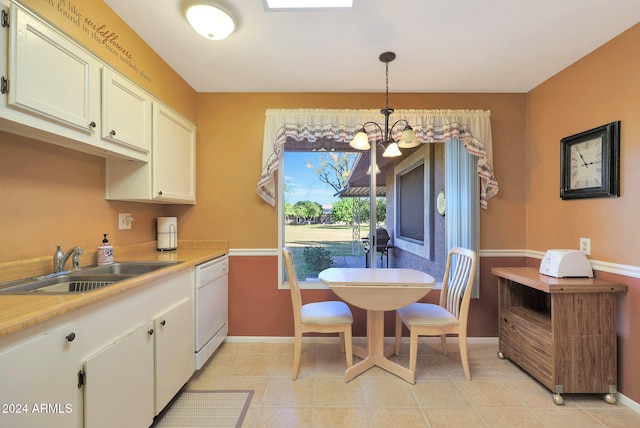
{"x": 326, "y": 313}
{"x": 427, "y": 315}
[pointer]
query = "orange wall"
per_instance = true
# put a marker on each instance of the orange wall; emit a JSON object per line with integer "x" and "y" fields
{"x": 230, "y": 129}
{"x": 602, "y": 87}
{"x": 95, "y": 26}
{"x": 51, "y": 195}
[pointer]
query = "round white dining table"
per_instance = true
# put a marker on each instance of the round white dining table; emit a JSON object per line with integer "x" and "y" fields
{"x": 377, "y": 291}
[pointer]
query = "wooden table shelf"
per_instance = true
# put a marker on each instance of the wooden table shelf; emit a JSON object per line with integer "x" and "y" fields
{"x": 562, "y": 331}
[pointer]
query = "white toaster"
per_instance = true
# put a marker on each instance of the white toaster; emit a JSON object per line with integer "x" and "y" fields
{"x": 566, "y": 264}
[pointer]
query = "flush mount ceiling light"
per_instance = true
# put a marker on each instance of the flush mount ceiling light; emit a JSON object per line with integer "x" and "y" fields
{"x": 408, "y": 138}
{"x": 209, "y": 18}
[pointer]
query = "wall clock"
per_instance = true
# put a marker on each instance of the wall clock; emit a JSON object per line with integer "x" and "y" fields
{"x": 590, "y": 163}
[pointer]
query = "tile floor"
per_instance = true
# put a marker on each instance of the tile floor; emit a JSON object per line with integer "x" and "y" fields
{"x": 499, "y": 394}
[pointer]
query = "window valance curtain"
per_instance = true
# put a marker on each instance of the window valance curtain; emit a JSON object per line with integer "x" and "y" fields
{"x": 473, "y": 127}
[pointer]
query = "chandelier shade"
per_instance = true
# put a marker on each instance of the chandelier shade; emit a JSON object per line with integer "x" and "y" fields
{"x": 361, "y": 140}
{"x": 408, "y": 139}
{"x": 392, "y": 151}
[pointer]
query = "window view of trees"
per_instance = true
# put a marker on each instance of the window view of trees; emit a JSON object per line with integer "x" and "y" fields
{"x": 321, "y": 228}
{"x": 346, "y": 210}
{"x": 303, "y": 210}
{"x": 333, "y": 168}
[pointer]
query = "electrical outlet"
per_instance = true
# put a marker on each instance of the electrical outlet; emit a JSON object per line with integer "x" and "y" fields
{"x": 585, "y": 246}
{"x": 124, "y": 221}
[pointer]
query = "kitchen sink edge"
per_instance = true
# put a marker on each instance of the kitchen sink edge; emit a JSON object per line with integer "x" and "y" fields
{"x": 83, "y": 280}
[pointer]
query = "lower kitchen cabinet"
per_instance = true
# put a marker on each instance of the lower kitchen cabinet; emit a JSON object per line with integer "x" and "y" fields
{"x": 173, "y": 351}
{"x": 39, "y": 380}
{"x": 114, "y": 363}
{"x": 119, "y": 383}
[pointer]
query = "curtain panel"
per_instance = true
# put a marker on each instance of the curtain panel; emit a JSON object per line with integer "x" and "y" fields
{"x": 472, "y": 127}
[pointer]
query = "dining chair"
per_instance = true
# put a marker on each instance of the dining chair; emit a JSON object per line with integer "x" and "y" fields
{"x": 317, "y": 317}
{"x": 450, "y": 316}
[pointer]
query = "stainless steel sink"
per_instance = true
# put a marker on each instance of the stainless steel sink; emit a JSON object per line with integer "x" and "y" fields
{"x": 78, "y": 282}
{"x": 128, "y": 268}
{"x": 63, "y": 284}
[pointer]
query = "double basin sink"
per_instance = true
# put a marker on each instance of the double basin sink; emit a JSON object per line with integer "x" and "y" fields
{"x": 83, "y": 280}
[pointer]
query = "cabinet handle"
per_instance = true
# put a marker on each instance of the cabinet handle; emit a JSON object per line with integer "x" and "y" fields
{"x": 112, "y": 133}
{"x": 160, "y": 193}
{"x": 80, "y": 379}
{"x": 163, "y": 322}
{"x": 505, "y": 320}
{"x": 92, "y": 125}
{"x": 70, "y": 337}
{"x": 150, "y": 332}
{"x": 4, "y": 84}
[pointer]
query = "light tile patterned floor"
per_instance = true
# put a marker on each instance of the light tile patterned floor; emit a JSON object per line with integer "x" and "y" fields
{"x": 499, "y": 394}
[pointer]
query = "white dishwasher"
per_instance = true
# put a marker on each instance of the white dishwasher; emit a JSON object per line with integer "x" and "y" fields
{"x": 211, "y": 307}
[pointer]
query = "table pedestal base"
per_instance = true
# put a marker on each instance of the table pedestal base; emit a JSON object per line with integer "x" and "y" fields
{"x": 375, "y": 354}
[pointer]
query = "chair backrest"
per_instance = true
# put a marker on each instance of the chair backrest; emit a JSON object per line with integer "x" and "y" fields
{"x": 382, "y": 236}
{"x": 294, "y": 287}
{"x": 458, "y": 282}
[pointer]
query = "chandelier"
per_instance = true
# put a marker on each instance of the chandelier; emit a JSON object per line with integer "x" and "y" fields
{"x": 408, "y": 138}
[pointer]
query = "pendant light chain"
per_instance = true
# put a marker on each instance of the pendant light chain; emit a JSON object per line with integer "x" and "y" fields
{"x": 386, "y": 102}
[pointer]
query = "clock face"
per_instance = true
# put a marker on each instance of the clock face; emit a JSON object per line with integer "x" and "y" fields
{"x": 586, "y": 164}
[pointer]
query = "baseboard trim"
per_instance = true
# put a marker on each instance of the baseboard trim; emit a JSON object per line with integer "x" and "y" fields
{"x": 326, "y": 339}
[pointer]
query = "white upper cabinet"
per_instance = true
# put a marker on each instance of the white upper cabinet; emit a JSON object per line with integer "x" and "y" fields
{"x": 126, "y": 117}
{"x": 170, "y": 176}
{"x": 174, "y": 156}
{"x": 53, "y": 85}
{"x": 54, "y": 90}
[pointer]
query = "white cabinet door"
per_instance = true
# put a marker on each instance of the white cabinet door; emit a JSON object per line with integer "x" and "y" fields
{"x": 39, "y": 381}
{"x": 126, "y": 117}
{"x": 174, "y": 351}
{"x": 51, "y": 77}
{"x": 174, "y": 149}
{"x": 170, "y": 175}
{"x": 119, "y": 383}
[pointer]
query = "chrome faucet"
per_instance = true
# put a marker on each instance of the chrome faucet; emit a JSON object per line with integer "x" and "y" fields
{"x": 60, "y": 258}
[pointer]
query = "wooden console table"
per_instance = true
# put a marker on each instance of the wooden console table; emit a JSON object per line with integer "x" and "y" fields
{"x": 562, "y": 331}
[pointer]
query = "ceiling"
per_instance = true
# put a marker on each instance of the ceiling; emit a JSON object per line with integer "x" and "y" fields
{"x": 441, "y": 46}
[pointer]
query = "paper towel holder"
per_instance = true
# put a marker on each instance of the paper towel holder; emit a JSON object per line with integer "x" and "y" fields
{"x": 167, "y": 233}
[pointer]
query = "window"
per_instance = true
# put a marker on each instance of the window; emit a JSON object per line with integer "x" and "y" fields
{"x": 413, "y": 213}
{"x": 318, "y": 236}
{"x": 411, "y": 204}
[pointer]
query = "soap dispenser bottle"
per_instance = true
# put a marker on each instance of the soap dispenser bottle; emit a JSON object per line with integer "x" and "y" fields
{"x": 105, "y": 252}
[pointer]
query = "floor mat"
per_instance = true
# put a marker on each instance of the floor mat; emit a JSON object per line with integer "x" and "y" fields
{"x": 206, "y": 409}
